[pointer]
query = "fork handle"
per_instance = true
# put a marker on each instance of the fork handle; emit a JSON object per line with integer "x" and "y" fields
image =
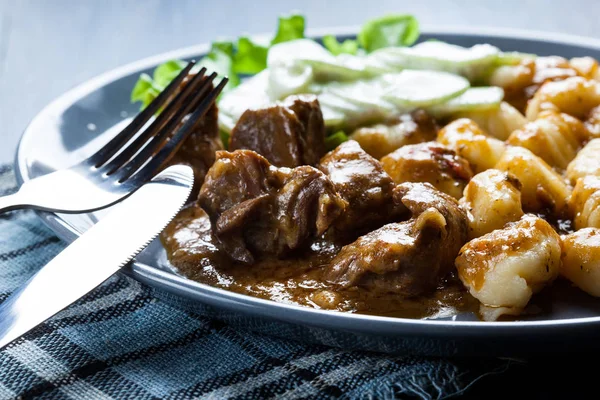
{"x": 11, "y": 202}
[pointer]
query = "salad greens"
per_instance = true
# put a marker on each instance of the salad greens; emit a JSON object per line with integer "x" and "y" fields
{"x": 226, "y": 58}
{"x": 250, "y": 58}
{"x": 148, "y": 87}
{"x": 389, "y": 31}
{"x": 393, "y": 30}
{"x": 289, "y": 28}
{"x": 367, "y": 80}
{"x": 219, "y": 60}
{"x": 331, "y": 43}
{"x": 246, "y": 57}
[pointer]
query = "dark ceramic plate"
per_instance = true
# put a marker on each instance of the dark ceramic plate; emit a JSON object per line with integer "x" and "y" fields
{"x": 80, "y": 121}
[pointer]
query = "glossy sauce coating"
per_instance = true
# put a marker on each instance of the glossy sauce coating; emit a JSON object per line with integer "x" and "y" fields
{"x": 299, "y": 280}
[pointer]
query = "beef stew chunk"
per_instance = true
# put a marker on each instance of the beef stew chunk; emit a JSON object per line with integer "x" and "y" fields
{"x": 307, "y": 109}
{"x": 362, "y": 182}
{"x": 258, "y": 210}
{"x": 306, "y": 205}
{"x": 289, "y": 134}
{"x": 406, "y": 258}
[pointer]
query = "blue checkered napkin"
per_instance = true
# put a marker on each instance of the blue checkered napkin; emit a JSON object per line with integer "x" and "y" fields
{"x": 118, "y": 342}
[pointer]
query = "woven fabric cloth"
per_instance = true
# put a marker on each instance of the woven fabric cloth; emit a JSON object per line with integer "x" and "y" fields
{"x": 119, "y": 342}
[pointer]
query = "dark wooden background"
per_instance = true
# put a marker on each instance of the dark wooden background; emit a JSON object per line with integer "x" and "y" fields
{"x": 47, "y": 47}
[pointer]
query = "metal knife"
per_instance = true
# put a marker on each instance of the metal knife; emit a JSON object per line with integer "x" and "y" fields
{"x": 97, "y": 254}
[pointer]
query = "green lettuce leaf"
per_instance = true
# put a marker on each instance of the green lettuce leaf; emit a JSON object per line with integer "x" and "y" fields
{"x": 220, "y": 62}
{"x": 225, "y": 46}
{"x": 251, "y": 58}
{"x": 225, "y": 58}
{"x": 390, "y": 30}
{"x": 348, "y": 46}
{"x": 144, "y": 90}
{"x": 165, "y": 73}
{"x": 147, "y": 88}
{"x": 290, "y": 27}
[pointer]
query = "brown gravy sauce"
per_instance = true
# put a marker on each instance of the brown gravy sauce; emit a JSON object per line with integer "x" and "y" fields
{"x": 298, "y": 279}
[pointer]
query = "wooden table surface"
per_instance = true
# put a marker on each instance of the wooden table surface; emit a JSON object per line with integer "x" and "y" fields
{"x": 47, "y": 47}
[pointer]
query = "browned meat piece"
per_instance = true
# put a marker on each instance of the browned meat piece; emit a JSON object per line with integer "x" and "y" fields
{"x": 362, "y": 182}
{"x": 407, "y": 258}
{"x": 236, "y": 190}
{"x": 306, "y": 205}
{"x": 236, "y": 177}
{"x": 420, "y": 197}
{"x": 429, "y": 162}
{"x": 308, "y": 111}
{"x": 381, "y": 139}
{"x": 288, "y": 135}
{"x": 257, "y": 209}
{"x": 191, "y": 244}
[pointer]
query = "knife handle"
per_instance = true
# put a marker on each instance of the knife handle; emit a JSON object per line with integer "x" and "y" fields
{"x": 11, "y": 202}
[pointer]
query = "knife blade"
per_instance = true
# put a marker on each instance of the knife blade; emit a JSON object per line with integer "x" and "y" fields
{"x": 97, "y": 254}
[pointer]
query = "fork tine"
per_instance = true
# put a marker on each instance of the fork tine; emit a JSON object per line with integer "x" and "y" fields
{"x": 158, "y": 125}
{"x": 165, "y": 153}
{"x": 161, "y": 130}
{"x": 109, "y": 149}
{"x": 166, "y": 132}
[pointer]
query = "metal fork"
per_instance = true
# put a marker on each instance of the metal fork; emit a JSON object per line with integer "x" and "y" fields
{"x": 123, "y": 164}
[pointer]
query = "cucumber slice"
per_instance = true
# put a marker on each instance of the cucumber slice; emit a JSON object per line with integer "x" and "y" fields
{"x": 252, "y": 93}
{"x": 474, "y": 99}
{"x": 288, "y": 80}
{"x": 339, "y": 105}
{"x": 411, "y": 89}
{"x": 455, "y": 54}
{"x": 336, "y": 111}
{"x": 339, "y": 112}
{"x": 362, "y": 63}
{"x": 355, "y": 89}
{"x": 365, "y": 94}
{"x": 335, "y": 71}
{"x": 439, "y": 56}
{"x": 326, "y": 67}
{"x": 380, "y": 98}
{"x": 285, "y": 53}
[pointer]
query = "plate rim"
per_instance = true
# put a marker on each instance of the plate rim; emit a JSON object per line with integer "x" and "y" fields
{"x": 149, "y": 275}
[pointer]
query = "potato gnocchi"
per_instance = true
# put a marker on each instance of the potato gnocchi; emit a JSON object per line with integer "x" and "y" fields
{"x": 554, "y": 137}
{"x": 585, "y": 202}
{"x": 581, "y": 260}
{"x": 585, "y": 163}
{"x": 498, "y": 123}
{"x": 469, "y": 141}
{"x": 504, "y": 268}
{"x": 542, "y": 188}
{"x": 491, "y": 200}
{"x": 575, "y": 96}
